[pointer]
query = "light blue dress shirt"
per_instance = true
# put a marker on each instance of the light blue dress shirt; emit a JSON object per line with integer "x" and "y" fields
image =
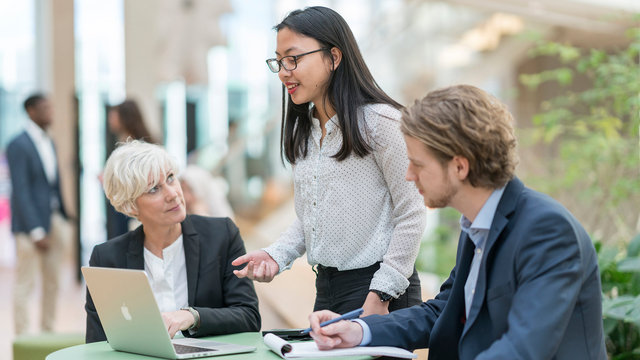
{"x": 478, "y": 232}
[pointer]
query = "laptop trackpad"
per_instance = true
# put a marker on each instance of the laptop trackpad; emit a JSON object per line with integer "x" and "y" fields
{"x": 204, "y": 345}
{"x": 187, "y": 349}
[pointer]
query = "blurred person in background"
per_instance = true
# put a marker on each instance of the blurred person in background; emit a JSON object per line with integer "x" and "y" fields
{"x": 37, "y": 214}
{"x": 358, "y": 220}
{"x": 125, "y": 121}
{"x": 205, "y": 194}
{"x": 186, "y": 257}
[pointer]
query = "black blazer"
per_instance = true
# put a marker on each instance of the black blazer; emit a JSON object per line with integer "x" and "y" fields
{"x": 538, "y": 294}
{"x": 226, "y": 303}
{"x": 31, "y": 192}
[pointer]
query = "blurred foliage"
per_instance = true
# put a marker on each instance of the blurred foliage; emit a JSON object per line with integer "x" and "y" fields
{"x": 592, "y": 135}
{"x": 620, "y": 275}
{"x": 438, "y": 250}
{"x": 593, "y": 138}
{"x": 589, "y": 139}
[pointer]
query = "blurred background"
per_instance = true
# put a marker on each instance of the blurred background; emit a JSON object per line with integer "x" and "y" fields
{"x": 568, "y": 70}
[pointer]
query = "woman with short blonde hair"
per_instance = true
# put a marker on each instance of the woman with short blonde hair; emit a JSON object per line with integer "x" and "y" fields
{"x": 130, "y": 170}
{"x": 186, "y": 257}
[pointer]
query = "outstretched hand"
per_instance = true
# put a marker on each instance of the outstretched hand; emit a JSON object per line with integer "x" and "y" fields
{"x": 343, "y": 334}
{"x": 260, "y": 266}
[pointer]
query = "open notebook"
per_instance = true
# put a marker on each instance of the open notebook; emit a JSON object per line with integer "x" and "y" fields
{"x": 307, "y": 349}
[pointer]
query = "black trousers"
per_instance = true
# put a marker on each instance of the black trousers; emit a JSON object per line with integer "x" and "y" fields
{"x": 343, "y": 291}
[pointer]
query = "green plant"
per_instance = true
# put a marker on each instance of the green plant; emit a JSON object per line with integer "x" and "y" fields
{"x": 620, "y": 275}
{"x": 589, "y": 134}
{"x": 438, "y": 250}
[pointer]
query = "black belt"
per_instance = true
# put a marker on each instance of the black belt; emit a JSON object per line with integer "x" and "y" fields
{"x": 330, "y": 270}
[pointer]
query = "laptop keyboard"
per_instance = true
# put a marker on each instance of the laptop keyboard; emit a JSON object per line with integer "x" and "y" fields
{"x": 187, "y": 349}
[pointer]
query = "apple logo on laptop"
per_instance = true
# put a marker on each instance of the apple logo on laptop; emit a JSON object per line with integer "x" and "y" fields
{"x": 125, "y": 312}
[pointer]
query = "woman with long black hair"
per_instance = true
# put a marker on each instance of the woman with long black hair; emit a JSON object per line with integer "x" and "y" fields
{"x": 358, "y": 220}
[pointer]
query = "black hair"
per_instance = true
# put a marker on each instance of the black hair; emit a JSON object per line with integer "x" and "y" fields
{"x": 351, "y": 86}
{"x": 33, "y": 100}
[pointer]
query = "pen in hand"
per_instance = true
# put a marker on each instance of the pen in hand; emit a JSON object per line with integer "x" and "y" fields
{"x": 348, "y": 316}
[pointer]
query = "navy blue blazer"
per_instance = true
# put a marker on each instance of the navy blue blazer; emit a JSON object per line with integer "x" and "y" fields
{"x": 31, "y": 192}
{"x": 538, "y": 294}
{"x": 226, "y": 303}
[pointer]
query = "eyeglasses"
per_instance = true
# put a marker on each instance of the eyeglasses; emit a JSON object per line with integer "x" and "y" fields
{"x": 289, "y": 63}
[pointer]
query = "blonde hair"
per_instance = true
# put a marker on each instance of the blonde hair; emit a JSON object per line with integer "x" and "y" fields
{"x": 133, "y": 168}
{"x": 465, "y": 121}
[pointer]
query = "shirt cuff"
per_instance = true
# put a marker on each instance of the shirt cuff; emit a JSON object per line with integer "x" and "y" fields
{"x": 366, "y": 332}
{"x": 278, "y": 257}
{"x": 389, "y": 281}
{"x": 37, "y": 234}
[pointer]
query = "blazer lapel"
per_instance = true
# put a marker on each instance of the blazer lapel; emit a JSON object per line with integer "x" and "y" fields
{"x": 456, "y": 300}
{"x": 500, "y": 221}
{"x": 448, "y": 329}
{"x": 191, "y": 243}
{"x": 34, "y": 152}
{"x": 457, "y": 293}
{"x": 135, "y": 257}
{"x": 55, "y": 156}
{"x": 464, "y": 265}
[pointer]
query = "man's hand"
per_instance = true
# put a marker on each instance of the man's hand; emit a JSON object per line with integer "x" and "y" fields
{"x": 342, "y": 334}
{"x": 373, "y": 305}
{"x": 260, "y": 266}
{"x": 43, "y": 244}
{"x": 175, "y": 321}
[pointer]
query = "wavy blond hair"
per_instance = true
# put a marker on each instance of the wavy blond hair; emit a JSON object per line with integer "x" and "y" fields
{"x": 465, "y": 121}
{"x": 133, "y": 168}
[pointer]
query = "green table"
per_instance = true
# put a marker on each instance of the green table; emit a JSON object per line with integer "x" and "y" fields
{"x": 102, "y": 350}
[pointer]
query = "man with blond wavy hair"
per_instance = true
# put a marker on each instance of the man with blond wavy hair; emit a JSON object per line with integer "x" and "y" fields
{"x": 526, "y": 283}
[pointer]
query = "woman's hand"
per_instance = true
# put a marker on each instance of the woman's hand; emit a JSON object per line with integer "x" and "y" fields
{"x": 175, "y": 321}
{"x": 373, "y": 305}
{"x": 260, "y": 266}
{"x": 342, "y": 334}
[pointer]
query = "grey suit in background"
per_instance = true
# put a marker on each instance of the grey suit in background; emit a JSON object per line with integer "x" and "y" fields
{"x": 35, "y": 203}
{"x": 31, "y": 192}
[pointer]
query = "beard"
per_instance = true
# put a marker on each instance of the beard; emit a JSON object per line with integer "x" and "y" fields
{"x": 442, "y": 199}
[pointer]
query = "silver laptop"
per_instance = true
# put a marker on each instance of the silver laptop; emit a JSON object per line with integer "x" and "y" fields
{"x": 132, "y": 321}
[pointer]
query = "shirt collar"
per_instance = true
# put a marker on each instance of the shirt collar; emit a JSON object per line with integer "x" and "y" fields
{"x": 330, "y": 125}
{"x": 35, "y": 131}
{"x": 485, "y": 216}
{"x": 172, "y": 250}
{"x": 169, "y": 252}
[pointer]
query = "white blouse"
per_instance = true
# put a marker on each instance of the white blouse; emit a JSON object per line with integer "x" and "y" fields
{"x": 44, "y": 147}
{"x": 168, "y": 276}
{"x": 359, "y": 211}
